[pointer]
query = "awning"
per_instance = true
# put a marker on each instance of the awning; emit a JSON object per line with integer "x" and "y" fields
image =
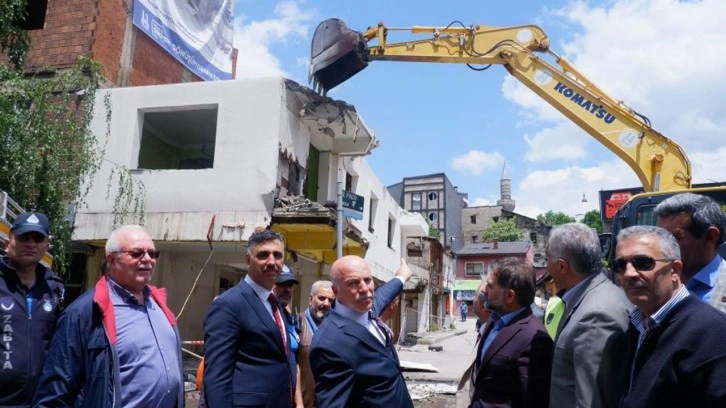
{"x": 464, "y": 285}
{"x": 317, "y": 241}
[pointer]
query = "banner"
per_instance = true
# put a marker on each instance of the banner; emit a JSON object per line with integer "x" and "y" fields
{"x": 198, "y": 33}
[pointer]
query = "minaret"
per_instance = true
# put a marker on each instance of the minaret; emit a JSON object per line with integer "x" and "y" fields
{"x": 505, "y": 185}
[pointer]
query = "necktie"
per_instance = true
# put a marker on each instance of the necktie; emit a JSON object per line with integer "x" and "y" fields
{"x": 553, "y": 313}
{"x": 387, "y": 333}
{"x": 278, "y": 319}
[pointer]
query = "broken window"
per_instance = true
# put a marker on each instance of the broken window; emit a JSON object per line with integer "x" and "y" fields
{"x": 180, "y": 138}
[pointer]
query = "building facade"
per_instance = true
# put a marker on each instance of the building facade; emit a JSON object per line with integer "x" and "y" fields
{"x": 220, "y": 159}
{"x": 473, "y": 263}
{"x": 438, "y": 200}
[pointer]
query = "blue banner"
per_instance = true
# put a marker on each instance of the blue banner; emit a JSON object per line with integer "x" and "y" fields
{"x": 197, "y": 33}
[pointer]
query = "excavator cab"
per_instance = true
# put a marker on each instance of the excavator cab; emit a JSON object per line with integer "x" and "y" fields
{"x": 337, "y": 53}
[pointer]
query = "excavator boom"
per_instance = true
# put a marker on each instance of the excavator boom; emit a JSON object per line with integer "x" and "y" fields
{"x": 338, "y": 53}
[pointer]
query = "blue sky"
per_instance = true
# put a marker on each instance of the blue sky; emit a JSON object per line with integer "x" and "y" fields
{"x": 664, "y": 58}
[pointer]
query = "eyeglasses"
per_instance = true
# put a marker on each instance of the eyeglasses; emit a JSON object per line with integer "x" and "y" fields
{"x": 641, "y": 263}
{"x": 262, "y": 255}
{"x": 139, "y": 253}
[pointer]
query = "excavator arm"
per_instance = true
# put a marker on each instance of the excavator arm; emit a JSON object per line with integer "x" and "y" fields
{"x": 661, "y": 164}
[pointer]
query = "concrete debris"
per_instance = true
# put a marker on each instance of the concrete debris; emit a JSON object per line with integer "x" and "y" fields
{"x": 421, "y": 391}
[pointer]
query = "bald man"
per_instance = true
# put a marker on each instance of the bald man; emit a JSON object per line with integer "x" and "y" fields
{"x": 352, "y": 356}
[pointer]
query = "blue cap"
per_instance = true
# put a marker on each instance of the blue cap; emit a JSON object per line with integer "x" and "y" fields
{"x": 286, "y": 276}
{"x": 31, "y": 222}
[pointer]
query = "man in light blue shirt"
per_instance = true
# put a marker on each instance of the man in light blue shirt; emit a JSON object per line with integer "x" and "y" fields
{"x": 698, "y": 223}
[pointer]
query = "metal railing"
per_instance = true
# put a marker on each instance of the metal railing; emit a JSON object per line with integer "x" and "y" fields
{"x": 9, "y": 209}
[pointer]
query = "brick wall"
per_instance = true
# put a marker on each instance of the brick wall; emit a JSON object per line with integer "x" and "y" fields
{"x": 68, "y": 34}
{"x": 96, "y": 28}
{"x": 153, "y": 65}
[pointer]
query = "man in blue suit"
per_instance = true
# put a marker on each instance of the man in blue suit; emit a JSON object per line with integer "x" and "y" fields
{"x": 246, "y": 344}
{"x": 352, "y": 357}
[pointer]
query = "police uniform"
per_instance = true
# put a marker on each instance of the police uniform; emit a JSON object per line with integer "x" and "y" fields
{"x": 27, "y": 319}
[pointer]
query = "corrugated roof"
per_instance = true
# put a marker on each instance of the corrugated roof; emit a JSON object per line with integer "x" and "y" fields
{"x": 487, "y": 248}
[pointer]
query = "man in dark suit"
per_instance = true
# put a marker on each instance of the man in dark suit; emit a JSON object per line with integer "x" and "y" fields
{"x": 352, "y": 357}
{"x": 246, "y": 344}
{"x": 513, "y": 363}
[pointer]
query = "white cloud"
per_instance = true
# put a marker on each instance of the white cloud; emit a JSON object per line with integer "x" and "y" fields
{"x": 709, "y": 167}
{"x": 482, "y": 201}
{"x": 475, "y": 162}
{"x": 254, "y": 38}
{"x": 563, "y": 141}
{"x": 562, "y": 189}
{"x": 664, "y": 58}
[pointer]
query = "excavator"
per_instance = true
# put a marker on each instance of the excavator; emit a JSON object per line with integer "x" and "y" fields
{"x": 661, "y": 165}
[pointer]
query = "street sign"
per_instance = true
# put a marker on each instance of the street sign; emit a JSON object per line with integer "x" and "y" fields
{"x": 353, "y": 205}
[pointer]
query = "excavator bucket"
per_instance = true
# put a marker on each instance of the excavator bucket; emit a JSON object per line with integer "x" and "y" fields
{"x": 337, "y": 53}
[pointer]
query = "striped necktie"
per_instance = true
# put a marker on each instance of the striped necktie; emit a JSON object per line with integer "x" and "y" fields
{"x": 278, "y": 319}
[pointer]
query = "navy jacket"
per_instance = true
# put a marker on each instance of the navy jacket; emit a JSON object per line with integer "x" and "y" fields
{"x": 682, "y": 361}
{"x": 82, "y": 368}
{"x": 25, "y": 334}
{"x": 516, "y": 368}
{"x": 245, "y": 364}
{"x": 352, "y": 368}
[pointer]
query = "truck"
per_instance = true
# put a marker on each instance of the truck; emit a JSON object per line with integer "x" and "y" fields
{"x": 661, "y": 165}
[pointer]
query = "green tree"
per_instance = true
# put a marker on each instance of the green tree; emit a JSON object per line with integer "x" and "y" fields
{"x": 49, "y": 153}
{"x": 504, "y": 230}
{"x": 552, "y": 218}
{"x": 593, "y": 220}
{"x": 14, "y": 42}
{"x": 434, "y": 231}
{"x": 48, "y": 149}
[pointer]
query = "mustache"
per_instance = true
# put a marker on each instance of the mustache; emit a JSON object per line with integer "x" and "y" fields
{"x": 634, "y": 284}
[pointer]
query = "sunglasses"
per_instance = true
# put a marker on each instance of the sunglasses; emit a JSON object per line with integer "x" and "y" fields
{"x": 37, "y": 238}
{"x": 139, "y": 253}
{"x": 262, "y": 255}
{"x": 641, "y": 263}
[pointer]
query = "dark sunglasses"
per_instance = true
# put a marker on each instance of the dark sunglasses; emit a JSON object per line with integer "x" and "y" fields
{"x": 139, "y": 253}
{"x": 262, "y": 255}
{"x": 37, "y": 238}
{"x": 641, "y": 263}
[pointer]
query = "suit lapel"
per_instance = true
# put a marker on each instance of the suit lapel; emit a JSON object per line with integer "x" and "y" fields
{"x": 503, "y": 337}
{"x": 361, "y": 333}
{"x": 267, "y": 321}
{"x": 576, "y": 299}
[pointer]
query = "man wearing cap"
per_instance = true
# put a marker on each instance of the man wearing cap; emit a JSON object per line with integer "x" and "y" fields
{"x": 31, "y": 297}
{"x": 283, "y": 293}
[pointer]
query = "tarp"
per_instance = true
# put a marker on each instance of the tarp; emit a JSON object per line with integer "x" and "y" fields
{"x": 198, "y": 33}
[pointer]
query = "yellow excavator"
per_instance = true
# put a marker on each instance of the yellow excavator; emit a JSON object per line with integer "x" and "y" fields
{"x": 338, "y": 53}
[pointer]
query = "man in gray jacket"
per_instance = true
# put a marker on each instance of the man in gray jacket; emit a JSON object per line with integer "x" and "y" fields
{"x": 586, "y": 367}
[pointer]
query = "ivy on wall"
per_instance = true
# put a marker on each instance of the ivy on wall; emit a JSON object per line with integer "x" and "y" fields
{"x": 48, "y": 152}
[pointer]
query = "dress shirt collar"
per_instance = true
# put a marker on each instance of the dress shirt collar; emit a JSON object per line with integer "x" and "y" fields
{"x": 360, "y": 318}
{"x": 261, "y": 292}
{"x": 639, "y": 319}
{"x": 123, "y": 294}
{"x": 507, "y": 318}
{"x": 570, "y": 293}
{"x": 708, "y": 275}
